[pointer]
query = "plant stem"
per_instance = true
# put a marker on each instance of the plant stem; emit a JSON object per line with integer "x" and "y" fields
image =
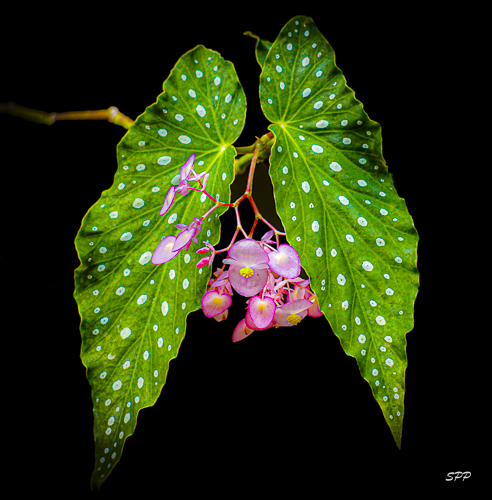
{"x": 111, "y": 114}
{"x": 241, "y": 164}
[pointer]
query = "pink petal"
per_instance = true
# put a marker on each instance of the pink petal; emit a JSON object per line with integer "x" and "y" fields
{"x": 168, "y": 201}
{"x": 261, "y": 311}
{"x": 183, "y": 187}
{"x": 164, "y": 251}
{"x": 241, "y": 332}
{"x": 186, "y": 167}
{"x": 183, "y": 238}
{"x": 198, "y": 225}
{"x": 314, "y": 311}
{"x": 285, "y": 262}
{"x": 222, "y": 316}
{"x": 214, "y": 303}
{"x": 295, "y": 308}
{"x": 247, "y": 286}
{"x": 196, "y": 177}
{"x": 204, "y": 183}
{"x": 250, "y": 324}
{"x": 248, "y": 252}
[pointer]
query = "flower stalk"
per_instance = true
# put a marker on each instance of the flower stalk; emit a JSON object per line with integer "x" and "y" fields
{"x": 264, "y": 271}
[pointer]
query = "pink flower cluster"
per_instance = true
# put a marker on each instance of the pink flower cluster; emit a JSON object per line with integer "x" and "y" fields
{"x": 270, "y": 278}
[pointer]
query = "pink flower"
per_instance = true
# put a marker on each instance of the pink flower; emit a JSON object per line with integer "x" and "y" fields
{"x": 183, "y": 188}
{"x": 241, "y": 331}
{"x": 222, "y": 316}
{"x": 291, "y": 313}
{"x": 261, "y": 311}
{"x": 285, "y": 262}
{"x": 304, "y": 292}
{"x": 248, "y": 271}
{"x": 314, "y": 311}
{"x": 252, "y": 326}
{"x": 164, "y": 251}
{"x": 184, "y": 174}
{"x": 215, "y": 303}
{"x": 187, "y": 234}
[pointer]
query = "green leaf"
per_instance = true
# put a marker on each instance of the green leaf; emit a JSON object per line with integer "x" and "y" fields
{"x": 340, "y": 209}
{"x": 133, "y": 313}
{"x": 261, "y": 47}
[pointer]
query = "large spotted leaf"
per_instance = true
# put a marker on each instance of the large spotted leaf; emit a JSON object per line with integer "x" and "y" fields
{"x": 133, "y": 313}
{"x": 340, "y": 209}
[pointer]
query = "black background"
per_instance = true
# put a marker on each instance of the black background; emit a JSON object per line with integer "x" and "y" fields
{"x": 282, "y": 410}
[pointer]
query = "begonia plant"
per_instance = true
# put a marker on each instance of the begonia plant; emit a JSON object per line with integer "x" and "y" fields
{"x": 345, "y": 253}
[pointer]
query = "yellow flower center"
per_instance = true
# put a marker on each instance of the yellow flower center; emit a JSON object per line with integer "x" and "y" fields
{"x": 217, "y": 301}
{"x": 246, "y": 272}
{"x": 293, "y": 319}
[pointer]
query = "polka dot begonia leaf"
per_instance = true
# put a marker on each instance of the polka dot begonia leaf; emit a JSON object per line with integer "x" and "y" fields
{"x": 133, "y": 313}
{"x": 340, "y": 209}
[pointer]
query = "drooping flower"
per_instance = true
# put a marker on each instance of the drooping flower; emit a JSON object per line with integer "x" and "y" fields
{"x": 252, "y": 326}
{"x": 164, "y": 251}
{"x": 302, "y": 291}
{"x": 241, "y": 331}
{"x": 220, "y": 278}
{"x": 261, "y": 310}
{"x": 222, "y": 316}
{"x": 314, "y": 311}
{"x": 214, "y": 303}
{"x": 187, "y": 234}
{"x": 291, "y": 313}
{"x": 197, "y": 177}
{"x": 248, "y": 271}
{"x": 184, "y": 174}
{"x": 285, "y": 262}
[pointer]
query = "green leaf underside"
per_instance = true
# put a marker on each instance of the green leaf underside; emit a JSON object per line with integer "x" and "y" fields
{"x": 340, "y": 209}
{"x": 133, "y": 313}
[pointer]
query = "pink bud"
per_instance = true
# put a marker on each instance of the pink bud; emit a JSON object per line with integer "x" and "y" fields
{"x": 203, "y": 262}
